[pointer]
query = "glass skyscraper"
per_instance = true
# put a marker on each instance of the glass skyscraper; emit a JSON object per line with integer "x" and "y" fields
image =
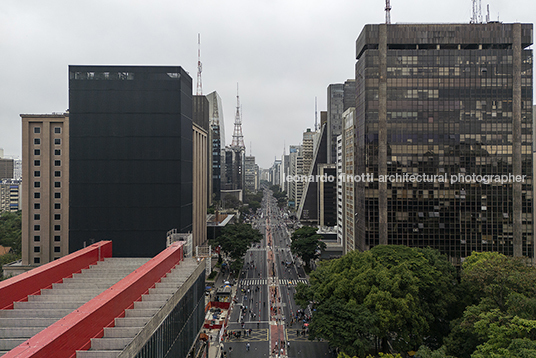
{"x": 444, "y": 127}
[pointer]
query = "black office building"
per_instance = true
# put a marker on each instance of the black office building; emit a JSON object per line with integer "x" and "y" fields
{"x": 130, "y": 156}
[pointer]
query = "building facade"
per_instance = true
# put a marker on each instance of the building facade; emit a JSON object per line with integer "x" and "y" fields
{"x": 451, "y": 101}
{"x": 10, "y": 195}
{"x": 45, "y": 187}
{"x": 201, "y": 166}
{"x": 217, "y": 136}
{"x": 6, "y": 168}
{"x": 131, "y": 156}
{"x": 251, "y": 174}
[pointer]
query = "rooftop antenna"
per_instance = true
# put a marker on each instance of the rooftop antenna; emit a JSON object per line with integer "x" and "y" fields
{"x": 316, "y": 117}
{"x": 238, "y": 138}
{"x": 487, "y": 16}
{"x": 477, "y": 12}
{"x": 250, "y": 145}
{"x": 199, "y": 67}
{"x": 387, "y": 11}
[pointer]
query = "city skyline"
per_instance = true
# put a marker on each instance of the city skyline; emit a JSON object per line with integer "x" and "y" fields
{"x": 305, "y": 46}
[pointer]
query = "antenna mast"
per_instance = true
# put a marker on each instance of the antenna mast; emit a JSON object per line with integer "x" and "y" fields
{"x": 477, "y": 12}
{"x": 238, "y": 138}
{"x": 387, "y": 11}
{"x": 199, "y": 67}
{"x": 316, "y": 117}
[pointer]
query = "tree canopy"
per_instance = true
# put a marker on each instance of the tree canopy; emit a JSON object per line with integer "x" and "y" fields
{"x": 501, "y": 319}
{"x": 235, "y": 241}
{"x": 10, "y": 230}
{"x": 388, "y": 296}
{"x": 307, "y": 244}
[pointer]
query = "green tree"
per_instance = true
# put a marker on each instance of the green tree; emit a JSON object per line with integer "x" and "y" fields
{"x": 230, "y": 201}
{"x": 10, "y": 230}
{"x": 235, "y": 240}
{"x": 387, "y": 296}
{"x": 502, "y": 320}
{"x": 307, "y": 244}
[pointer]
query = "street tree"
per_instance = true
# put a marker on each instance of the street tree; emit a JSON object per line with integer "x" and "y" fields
{"x": 11, "y": 230}
{"x": 235, "y": 240}
{"x": 389, "y": 296}
{"x": 307, "y": 244}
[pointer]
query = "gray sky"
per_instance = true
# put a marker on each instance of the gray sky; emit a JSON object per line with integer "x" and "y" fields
{"x": 282, "y": 53}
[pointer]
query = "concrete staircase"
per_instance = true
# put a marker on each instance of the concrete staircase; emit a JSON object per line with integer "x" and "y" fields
{"x": 116, "y": 338}
{"x": 29, "y": 318}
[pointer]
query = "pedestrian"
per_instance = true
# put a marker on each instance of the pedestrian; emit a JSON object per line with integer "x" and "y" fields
{"x": 247, "y": 347}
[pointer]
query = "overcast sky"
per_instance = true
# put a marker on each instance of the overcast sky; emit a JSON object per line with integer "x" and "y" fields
{"x": 282, "y": 53}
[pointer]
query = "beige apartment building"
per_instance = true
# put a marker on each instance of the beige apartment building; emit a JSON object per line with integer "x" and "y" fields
{"x": 45, "y": 187}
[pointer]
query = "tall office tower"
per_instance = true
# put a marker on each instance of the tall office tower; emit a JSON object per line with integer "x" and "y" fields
{"x": 275, "y": 173}
{"x": 233, "y": 173}
{"x": 349, "y": 180}
{"x": 340, "y": 189}
{"x": 334, "y": 118}
{"x": 308, "y": 150}
{"x": 217, "y": 130}
{"x": 451, "y": 101}
{"x": 130, "y": 157}
{"x": 45, "y": 189}
{"x": 349, "y": 95}
{"x": 201, "y": 166}
{"x": 285, "y": 163}
{"x": 295, "y": 169}
{"x": 250, "y": 174}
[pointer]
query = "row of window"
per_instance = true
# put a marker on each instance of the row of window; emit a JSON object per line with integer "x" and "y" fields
{"x": 37, "y": 163}
{"x": 57, "y": 141}
{"x": 38, "y": 151}
{"x": 56, "y": 216}
{"x": 38, "y": 227}
{"x": 37, "y": 130}
{"x": 37, "y": 249}
{"x": 38, "y": 195}
{"x": 57, "y": 184}
{"x": 57, "y": 206}
{"x": 37, "y": 173}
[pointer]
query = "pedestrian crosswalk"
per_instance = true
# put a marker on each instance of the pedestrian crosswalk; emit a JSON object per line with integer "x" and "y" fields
{"x": 262, "y": 281}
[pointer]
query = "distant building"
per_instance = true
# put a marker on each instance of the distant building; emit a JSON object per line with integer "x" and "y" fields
{"x": 130, "y": 156}
{"x": 295, "y": 170}
{"x": 251, "y": 174}
{"x": 451, "y": 101}
{"x": 45, "y": 189}
{"x": 202, "y": 163}
{"x": 10, "y": 195}
{"x": 6, "y": 168}
{"x": 217, "y": 136}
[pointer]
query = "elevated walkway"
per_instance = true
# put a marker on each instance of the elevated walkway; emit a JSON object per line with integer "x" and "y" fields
{"x": 88, "y": 304}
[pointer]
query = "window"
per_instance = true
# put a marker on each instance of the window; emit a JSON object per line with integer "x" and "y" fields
{"x": 37, "y": 217}
{"x": 37, "y": 249}
{"x": 37, "y": 260}
{"x": 57, "y": 206}
{"x": 57, "y": 141}
{"x": 37, "y": 238}
{"x": 57, "y": 227}
{"x": 57, "y": 163}
{"x": 37, "y": 184}
{"x": 57, "y": 217}
{"x": 37, "y": 151}
{"x": 37, "y": 173}
{"x": 57, "y": 249}
{"x": 37, "y": 130}
{"x": 37, "y": 163}
{"x": 57, "y": 130}
{"x": 37, "y": 141}
{"x": 57, "y": 195}
{"x": 57, "y": 173}
{"x": 37, "y": 227}
{"x": 57, "y": 238}
{"x": 57, "y": 151}
{"x": 57, "y": 184}
{"x": 37, "y": 206}
{"x": 37, "y": 195}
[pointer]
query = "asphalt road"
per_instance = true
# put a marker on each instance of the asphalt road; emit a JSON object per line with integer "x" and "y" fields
{"x": 251, "y": 319}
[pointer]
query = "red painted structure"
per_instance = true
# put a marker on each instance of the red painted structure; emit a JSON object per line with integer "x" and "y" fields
{"x": 73, "y": 332}
{"x": 18, "y": 288}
